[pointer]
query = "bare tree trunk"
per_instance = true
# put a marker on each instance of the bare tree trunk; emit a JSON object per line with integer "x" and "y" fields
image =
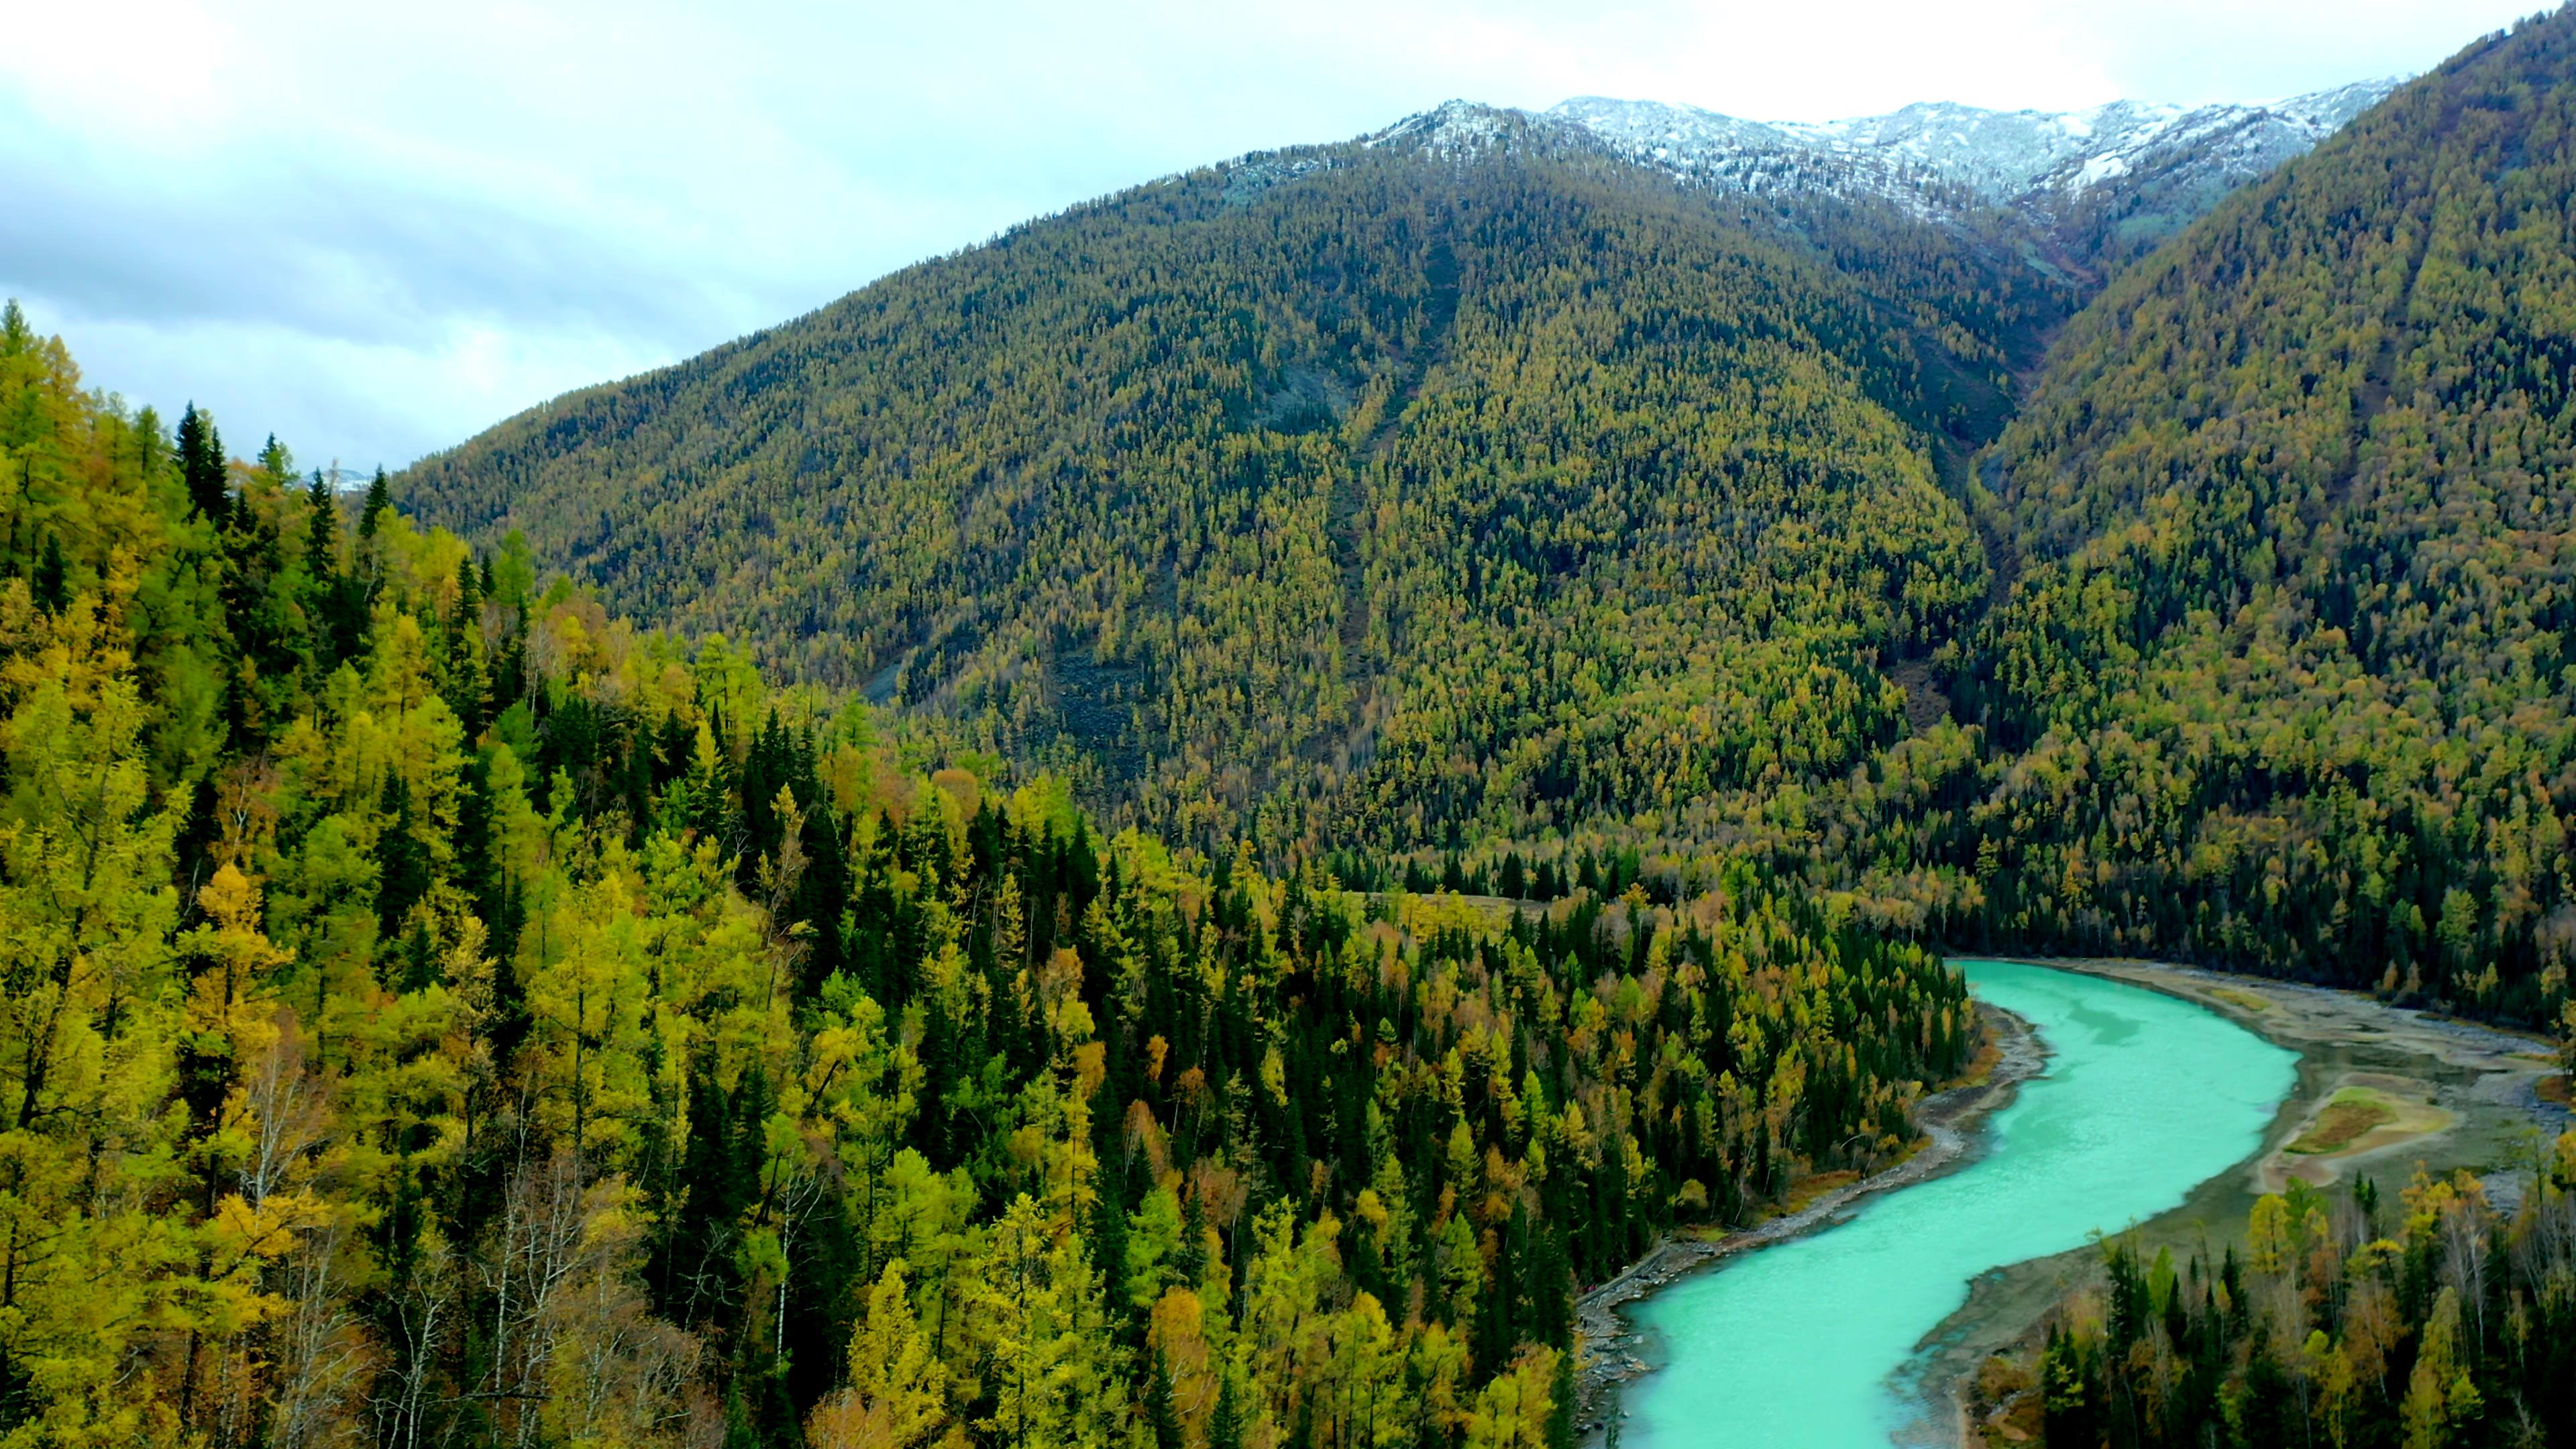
{"x": 320, "y": 1349}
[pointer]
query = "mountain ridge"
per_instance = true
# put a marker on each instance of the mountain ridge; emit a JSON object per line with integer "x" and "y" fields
{"x": 2001, "y": 156}
{"x": 2108, "y": 181}
{"x": 1328, "y": 357}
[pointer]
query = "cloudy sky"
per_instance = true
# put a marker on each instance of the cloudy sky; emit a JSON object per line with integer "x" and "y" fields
{"x": 374, "y": 230}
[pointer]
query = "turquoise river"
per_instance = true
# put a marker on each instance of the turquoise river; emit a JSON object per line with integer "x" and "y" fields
{"x": 1794, "y": 1347}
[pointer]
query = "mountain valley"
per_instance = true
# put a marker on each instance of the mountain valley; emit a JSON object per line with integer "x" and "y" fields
{"x": 1181, "y": 829}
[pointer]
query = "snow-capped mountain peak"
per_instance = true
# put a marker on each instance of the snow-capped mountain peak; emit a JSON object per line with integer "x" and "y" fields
{"x": 1994, "y": 157}
{"x": 1454, "y": 127}
{"x": 2101, "y": 185}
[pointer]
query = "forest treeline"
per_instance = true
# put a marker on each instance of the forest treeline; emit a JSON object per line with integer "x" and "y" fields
{"x": 437, "y": 1013}
{"x": 2435, "y": 1321}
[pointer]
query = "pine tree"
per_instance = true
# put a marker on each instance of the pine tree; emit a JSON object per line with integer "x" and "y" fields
{"x": 201, "y": 465}
{"x": 379, "y": 498}
{"x": 52, "y": 588}
{"x": 321, "y": 530}
{"x": 405, "y": 862}
{"x": 1225, "y": 1425}
{"x": 276, "y": 462}
{"x": 1560, "y": 1412}
{"x": 1161, "y": 1414}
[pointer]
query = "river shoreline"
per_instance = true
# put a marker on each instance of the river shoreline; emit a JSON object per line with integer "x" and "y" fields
{"x": 1948, "y": 1118}
{"x": 2483, "y": 1081}
{"x": 2480, "y": 1082}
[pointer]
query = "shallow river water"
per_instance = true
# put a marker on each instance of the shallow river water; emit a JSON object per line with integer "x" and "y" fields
{"x": 2144, "y": 1097}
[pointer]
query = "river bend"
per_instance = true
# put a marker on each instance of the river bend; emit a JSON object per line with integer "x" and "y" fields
{"x": 1797, "y": 1346}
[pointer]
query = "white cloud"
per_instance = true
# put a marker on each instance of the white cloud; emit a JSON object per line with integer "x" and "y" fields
{"x": 376, "y": 229}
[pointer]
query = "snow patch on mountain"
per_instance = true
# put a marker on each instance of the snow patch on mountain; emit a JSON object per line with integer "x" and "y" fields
{"x": 2108, "y": 181}
{"x": 1458, "y": 128}
{"x": 1934, "y": 152}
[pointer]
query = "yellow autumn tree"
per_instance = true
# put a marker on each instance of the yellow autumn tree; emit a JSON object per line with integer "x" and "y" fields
{"x": 897, "y": 1396}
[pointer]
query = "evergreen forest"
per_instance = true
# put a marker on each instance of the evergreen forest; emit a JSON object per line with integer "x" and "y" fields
{"x": 1174, "y": 831}
{"x": 2350, "y": 1320}
{"x": 440, "y": 1013}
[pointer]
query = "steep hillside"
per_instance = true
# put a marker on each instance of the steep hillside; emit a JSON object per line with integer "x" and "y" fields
{"x": 2288, "y": 662}
{"x": 1491, "y": 489}
{"x": 436, "y": 1014}
{"x": 1463, "y": 477}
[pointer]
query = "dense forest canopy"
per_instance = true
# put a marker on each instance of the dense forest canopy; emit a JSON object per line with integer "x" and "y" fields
{"x": 2431, "y": 1320}
{"x": 1311, "y": 754}
{"x": 2285, "y": 677}
{"x": 436, "y": 1013}
{"x": 1365, "y": 495}
{"x": 1474, "y": 509}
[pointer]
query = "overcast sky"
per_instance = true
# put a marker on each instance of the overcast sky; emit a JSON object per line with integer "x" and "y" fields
{"x": 374, "y": 233}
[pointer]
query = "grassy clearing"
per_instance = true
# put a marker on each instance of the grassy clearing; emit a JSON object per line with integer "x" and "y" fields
{"x": 2348, "y": 1115}
{"x": 2243, "y": 1000}
{"x": 1980, "y": 1069}
{"x": 1804, "y": 1194}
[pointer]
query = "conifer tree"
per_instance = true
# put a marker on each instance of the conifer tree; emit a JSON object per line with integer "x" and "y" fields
{"x": 321, "y": 530}
{"x": 379, "y": 498}
{"x": 201, "y": 465}
{"x": 52, "y": 587}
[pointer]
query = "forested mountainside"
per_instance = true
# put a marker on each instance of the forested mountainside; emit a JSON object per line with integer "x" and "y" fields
{"x": 1476, "y": 505}
{"x": 436, "y": 1013}
{"x": 1489, "y": 506}
{"x": 1486, "y": 482}
{"x": 2284, "y": 675}
{"x": 1469, "y": 484}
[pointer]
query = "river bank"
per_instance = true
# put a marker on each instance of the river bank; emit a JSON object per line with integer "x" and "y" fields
{"x": 1948, "y": 1119}
{"x": 2439, "y": 1092}
{"x": 2360, "y": 1087}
